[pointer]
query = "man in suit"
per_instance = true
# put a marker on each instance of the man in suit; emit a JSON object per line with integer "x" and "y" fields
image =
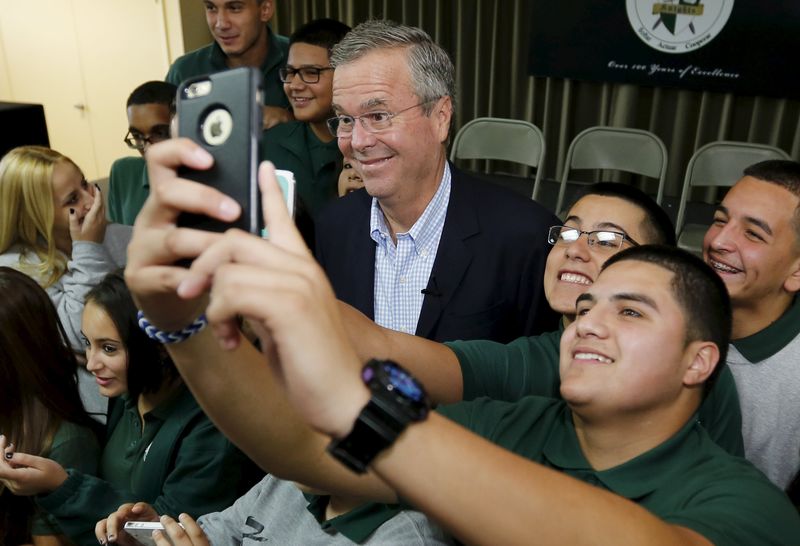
{"x": 425, "y": 248}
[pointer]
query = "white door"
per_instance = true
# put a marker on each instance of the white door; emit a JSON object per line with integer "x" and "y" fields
{"x": 44, "y": 67}
{"x": 81, "y": 59}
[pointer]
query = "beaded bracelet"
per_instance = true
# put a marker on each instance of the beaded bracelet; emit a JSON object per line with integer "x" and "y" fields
{"x": 171, "y": 337}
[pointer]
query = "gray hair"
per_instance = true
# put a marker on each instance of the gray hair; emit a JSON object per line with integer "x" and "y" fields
{"x": 432, "y": 71}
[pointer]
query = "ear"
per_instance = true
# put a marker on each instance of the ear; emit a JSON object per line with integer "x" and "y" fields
{"x": 792, "y": 282}
{"x": 267, "y": 10}
{"x": 443, "y": 114}
{"x": 704, "y": 358}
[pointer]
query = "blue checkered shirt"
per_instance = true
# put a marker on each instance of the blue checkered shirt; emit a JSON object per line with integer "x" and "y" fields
{"x": 402, "y": 271}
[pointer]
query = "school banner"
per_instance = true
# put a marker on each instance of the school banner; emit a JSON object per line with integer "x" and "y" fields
{"x": 740, "y": 46}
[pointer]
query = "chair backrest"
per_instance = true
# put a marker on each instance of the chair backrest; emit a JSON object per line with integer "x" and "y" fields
{"x": 501, "y": 139}
{"x": 721, "y": 163}
{"x": 617, "y": 148}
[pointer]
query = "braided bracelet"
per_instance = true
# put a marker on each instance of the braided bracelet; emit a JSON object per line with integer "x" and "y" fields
{"x": 171, "y": 337}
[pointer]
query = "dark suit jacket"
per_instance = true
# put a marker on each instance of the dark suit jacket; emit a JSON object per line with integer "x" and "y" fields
{"x": 486, "y": 281}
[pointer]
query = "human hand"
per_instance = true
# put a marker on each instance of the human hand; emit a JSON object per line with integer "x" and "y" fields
{"x": 190, "y": 534}
{"x": 275, "y": 115}
{"x": 112, "y": 528}
{"x": 151, "y": 273}
{"x": 92, "y": 227}
{"x": 26, "y": 475}
{"x": 277, "y": 285}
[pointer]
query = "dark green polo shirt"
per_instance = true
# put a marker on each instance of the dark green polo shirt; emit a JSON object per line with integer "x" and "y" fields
{"x": 211, "y": 58}
{"x": 688, "y": 480}
{"x": 128, "y": 188}
{"x": 179, "y": 462}
{"x": 357, "y": 524}
{"x": 316, "y": 165}
{"x": 530, "y": 366}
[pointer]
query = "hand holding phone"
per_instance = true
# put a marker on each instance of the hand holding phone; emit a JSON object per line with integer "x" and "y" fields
{"x": 142, "y": 531}
{"x": 222, "y": 113}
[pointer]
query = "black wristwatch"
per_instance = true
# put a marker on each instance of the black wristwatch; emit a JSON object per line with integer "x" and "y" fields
{"x": 397, "y": 400}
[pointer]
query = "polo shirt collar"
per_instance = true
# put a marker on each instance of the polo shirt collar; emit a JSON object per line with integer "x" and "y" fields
{"x": 633, "y": 479}
{"x": 357, "y": 524}
{"x": 762, "y": 345}
{"x": 166, "y": 408}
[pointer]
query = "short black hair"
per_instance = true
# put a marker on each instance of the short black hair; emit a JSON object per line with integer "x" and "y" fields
{"x": 154, "y": 92}
{"x": 149, "y": 365}
{"x": 320, "y": 32}
{"x": 783, "y": 173}
{"x": 699, "y": 291}
{"x": 657, "y": 225}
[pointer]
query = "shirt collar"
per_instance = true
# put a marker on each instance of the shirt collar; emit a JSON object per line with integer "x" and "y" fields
{"x": 427, "y": 227}
{"x": 357, "y": 524}
{"x": 171, "y": 405}
{"x": 633, "y": 479}
{"x": 765, "y": 343}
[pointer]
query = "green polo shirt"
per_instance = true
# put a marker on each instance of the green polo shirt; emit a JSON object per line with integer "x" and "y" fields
{"x": 530, "y": 366}
{"x": 211, "y": 58}
{"x": 316, "y": 165}
{"x": 357, "y": 524}
{"x": 178, "y": 462}
{"x": 128, "y": 188}
{"x": 74, "y": 446}
{"x": 687, "y": 480}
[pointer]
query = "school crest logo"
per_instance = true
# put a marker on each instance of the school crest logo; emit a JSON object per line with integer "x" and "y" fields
{"x": 678, "y": 26}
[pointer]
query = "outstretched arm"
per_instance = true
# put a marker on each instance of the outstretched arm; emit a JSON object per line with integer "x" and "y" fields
{"x": 241, "y": 389}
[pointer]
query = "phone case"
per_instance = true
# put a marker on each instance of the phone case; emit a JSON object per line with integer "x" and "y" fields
{"x": 222, "y": 113}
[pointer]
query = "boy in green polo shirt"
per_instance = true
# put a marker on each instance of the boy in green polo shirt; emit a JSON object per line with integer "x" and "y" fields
{"x": 306, "y": 147}
{"x": 150, "y": 109}
{"x": 242, "y": 37}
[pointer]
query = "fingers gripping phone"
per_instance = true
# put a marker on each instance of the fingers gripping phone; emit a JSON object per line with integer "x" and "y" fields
{"x": 142, "y": 531}
{"x": 222, "y": 113}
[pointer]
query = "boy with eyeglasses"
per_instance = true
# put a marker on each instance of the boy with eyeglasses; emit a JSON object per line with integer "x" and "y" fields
{"x": 150, "y": 109}
{"x": 305, "y": 146}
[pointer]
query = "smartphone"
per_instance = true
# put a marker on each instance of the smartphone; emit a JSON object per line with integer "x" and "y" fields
{"x": 222, "y": 113}
{"x": 142, "y": 531}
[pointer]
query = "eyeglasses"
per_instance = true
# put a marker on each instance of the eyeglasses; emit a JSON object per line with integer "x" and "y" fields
{"x": 372, "y": 122}
{"x": 309, "y": 74}
{"x": 600, "y": 239}
{"x": 138, "y": 141}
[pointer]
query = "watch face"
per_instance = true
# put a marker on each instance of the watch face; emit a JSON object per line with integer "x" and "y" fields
{"x": 395, "y": 378}
{"x": 404, "y": 383}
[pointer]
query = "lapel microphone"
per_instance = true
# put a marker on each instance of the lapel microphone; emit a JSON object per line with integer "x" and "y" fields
{"x": 432, "y": 290}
